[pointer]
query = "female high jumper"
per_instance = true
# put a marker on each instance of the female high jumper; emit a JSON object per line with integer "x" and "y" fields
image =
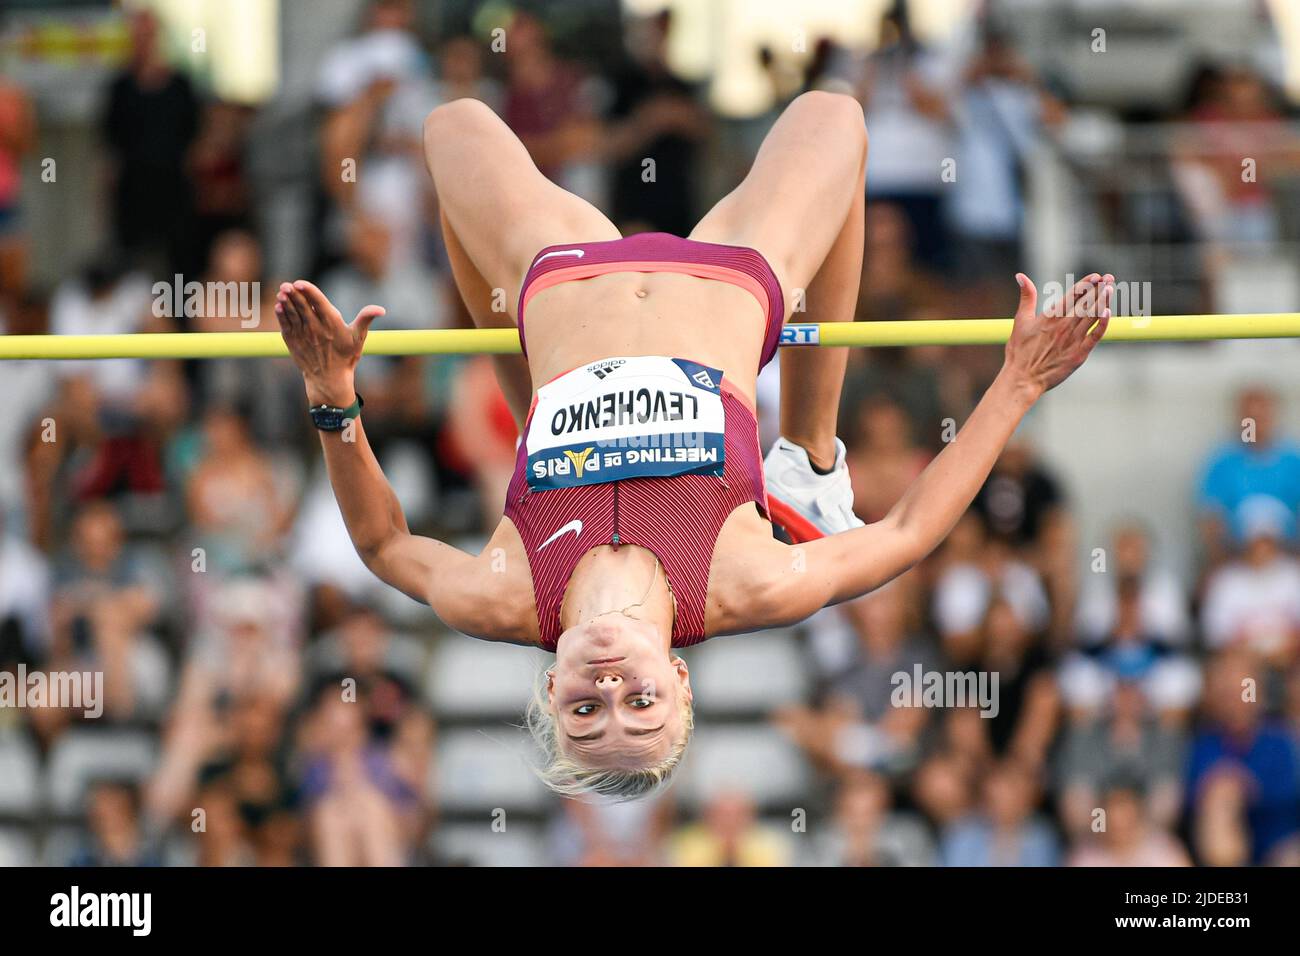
{"x": 639, "y": 519}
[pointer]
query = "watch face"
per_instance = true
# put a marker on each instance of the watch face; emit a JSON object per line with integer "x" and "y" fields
{"x": 328, "y": 419}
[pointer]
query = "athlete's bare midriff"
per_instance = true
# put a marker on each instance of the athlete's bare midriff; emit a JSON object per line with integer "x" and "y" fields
{"x": 630, "y": 313}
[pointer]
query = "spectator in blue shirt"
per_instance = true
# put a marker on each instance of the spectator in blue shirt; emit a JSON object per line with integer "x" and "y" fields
{"x": 1243, "y": 777}
{"x": 1258, "y": 462}
{"x": 1008, "y": 832}
{"x": 114, "y": 833}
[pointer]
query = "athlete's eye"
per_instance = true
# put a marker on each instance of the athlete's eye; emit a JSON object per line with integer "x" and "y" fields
{"x": 584, "y": 710}
{"x": 641, "y": 703}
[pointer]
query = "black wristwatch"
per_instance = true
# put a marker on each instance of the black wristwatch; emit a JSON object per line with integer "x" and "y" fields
{"x": 331, "y": 418}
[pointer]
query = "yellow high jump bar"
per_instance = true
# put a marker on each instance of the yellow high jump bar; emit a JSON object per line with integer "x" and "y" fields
{"x": 206, "y": 345}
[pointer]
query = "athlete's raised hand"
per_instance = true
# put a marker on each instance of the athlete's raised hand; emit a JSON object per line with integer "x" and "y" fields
{"x": 324, "y": 347}
{"x": 1045, "y": 348}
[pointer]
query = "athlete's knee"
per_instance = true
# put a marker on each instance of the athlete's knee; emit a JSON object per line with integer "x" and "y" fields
{"x": 457, "y": 117}
{"x": 839, "y": 107}
{"x": 838, "y": 113}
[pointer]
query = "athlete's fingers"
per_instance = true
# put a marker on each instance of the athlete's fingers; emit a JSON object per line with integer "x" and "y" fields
{"x": 368, "y": 314}
{"x": 1082, "y": 299}
{"x": 1054, "y": 307}
{"x": 322, "y": 306}
{"x": 310, "y": 318}
{"x": 304, "y": 306}
{"x": 1098, "y": 331}
{"x": 1028, "y": 298}
{"x": 290, "y": 320}
{"x": 1104, "y": 298}
{"x": 1062, "y": 306}
{"x": 1088, "y": 308}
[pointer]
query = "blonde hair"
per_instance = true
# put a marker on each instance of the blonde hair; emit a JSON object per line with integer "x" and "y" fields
{"x": 565, "y": 776}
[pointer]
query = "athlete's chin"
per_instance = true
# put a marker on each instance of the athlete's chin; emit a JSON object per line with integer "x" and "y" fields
{"x": 606, "y": 638}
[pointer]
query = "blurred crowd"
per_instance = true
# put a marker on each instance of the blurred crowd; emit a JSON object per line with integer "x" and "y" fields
{"x": 169, "y": 524}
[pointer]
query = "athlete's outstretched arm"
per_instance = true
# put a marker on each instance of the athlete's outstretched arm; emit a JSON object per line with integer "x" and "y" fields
{"x": 326, "y": 351}
{"x": 1042, "y": 352}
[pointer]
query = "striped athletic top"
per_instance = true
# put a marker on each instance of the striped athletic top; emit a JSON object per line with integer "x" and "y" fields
{"x": 677, "y": 518}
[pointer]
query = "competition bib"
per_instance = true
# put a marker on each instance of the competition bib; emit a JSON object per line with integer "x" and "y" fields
{"x": 641, "y": 417}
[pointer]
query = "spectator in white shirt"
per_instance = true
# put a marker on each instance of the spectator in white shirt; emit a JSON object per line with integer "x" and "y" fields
{"x": 1255, "y": 600}
{"x": 24, "y": 597}
{"x": 999, "y": 117}
{"x": 1162, "y": 605}
{"x": 905, "y": 89}
{"x": 978, "y": 570}
{"x": 104, "y": 300}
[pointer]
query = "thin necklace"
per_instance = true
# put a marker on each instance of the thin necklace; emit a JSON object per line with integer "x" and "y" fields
{"x": 645, "y": 597}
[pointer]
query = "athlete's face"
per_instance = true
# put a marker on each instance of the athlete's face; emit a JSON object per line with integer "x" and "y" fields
{"x": 617, "y": 693}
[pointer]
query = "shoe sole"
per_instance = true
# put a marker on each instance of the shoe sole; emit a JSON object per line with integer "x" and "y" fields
{"x": 799, "y": 528}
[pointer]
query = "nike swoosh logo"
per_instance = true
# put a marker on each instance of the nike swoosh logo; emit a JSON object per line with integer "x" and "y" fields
{"x": 577, "y": 253}
{"x": 575, "y": 526}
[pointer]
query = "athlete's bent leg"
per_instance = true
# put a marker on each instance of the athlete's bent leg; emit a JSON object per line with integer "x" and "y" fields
{"x": 497, "y": 211}
{"x": 802, "y": 206}
{"x": 811, "y": 378}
